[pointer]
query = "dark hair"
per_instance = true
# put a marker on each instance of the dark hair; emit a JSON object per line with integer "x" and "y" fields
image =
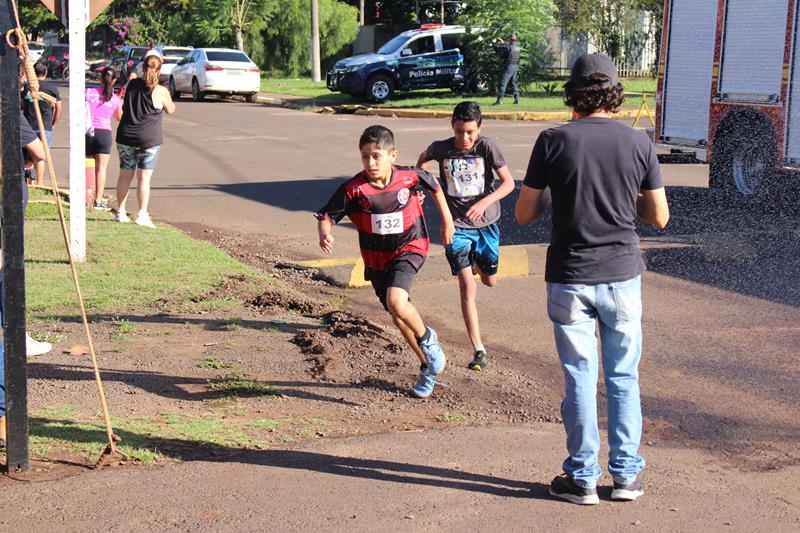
{"x": 594, "y": 95}
{"x": 467, "y": 112}
{"x": 40, "y": 69}
{"x": 107, "y": 81}
{"x": 379, "y": 135}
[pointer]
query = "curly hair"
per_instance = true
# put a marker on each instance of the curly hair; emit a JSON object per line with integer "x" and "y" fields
{"x": 152, "y": 66}
{"x": 596, "y": 94}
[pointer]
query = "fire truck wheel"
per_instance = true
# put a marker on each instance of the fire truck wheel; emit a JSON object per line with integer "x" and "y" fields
{"x": 379, "y": 88}
{"x": 745, "y": 155}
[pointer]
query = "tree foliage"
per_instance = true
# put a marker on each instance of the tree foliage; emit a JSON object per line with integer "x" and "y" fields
{"x": 286, "y": 39}
{"x": 614, "y": 26}
{"x": 487, "y": 20}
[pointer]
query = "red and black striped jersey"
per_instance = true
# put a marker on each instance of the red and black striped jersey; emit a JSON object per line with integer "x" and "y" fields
{"x": 389, "y": 220}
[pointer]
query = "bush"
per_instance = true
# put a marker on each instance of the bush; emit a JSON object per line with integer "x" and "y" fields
{"x": 486, "y": 20}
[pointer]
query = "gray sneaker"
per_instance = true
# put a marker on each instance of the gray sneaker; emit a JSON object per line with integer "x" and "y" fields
{"x": 101, "y": 205}
{"x": 627, "y": 492}
{"x": 565, "y": 488}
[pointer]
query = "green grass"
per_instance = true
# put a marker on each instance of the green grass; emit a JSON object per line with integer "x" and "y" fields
{"x": 213, "y": 362}
{"x": 127, "y": 266}
{"x": 539, "y": 96}
{"x": 231, "y": 324}
{"x": 452, "y": 418}
{"x": 145, "y": 439}
{"x": 240, "y": 384}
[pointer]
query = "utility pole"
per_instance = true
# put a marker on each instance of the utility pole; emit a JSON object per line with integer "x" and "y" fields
{"x": 77, "y": 129}
{"x": 15, "y": 367}
{"x": 442, "y": 11}
{"x": 361, "y": 16}
{"x": 316, "y": 69}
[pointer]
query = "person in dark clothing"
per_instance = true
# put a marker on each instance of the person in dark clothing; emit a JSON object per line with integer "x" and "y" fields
{"x": 511, "y": 53}
{"x": 51, "y": 113}
{"x": 602, "y": 175}
{"x": 139, "y": 136}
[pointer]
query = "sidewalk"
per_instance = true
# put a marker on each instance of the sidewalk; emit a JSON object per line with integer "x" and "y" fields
{"x": 489, "y": 478}
{"x": 323, "y": 105}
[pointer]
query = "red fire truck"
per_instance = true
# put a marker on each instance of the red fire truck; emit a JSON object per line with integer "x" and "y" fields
{"x": 729, "y": 88}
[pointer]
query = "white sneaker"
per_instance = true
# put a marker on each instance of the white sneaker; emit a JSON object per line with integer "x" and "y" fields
{"x": 121, "y": 216}
{"x": 34, "y": 347}
{"x": 143, "y": 219}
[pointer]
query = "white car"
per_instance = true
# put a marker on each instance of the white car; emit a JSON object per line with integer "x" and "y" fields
{"x": 172, "y": 55}
{"x": 222, "y": 71}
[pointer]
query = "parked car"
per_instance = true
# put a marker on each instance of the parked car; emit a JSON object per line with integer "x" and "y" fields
{"x": 56, "y": 57}
{"x": 125, "y": 60}
{"x": 172, "y": 55}
{"x": 35, "y": 51}
{"x": 222, "y": 71}
{"x": 425, "y": 58}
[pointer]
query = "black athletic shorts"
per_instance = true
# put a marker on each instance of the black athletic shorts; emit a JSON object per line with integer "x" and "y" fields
{"x": 399, "y": 273}
{"x": 99, "y": 143}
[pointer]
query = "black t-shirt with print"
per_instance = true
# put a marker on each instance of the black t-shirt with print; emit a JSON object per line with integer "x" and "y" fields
{"x": 595, "y": 168}
{"x": 48, "y": 109}
{"x": 466, "y": 177}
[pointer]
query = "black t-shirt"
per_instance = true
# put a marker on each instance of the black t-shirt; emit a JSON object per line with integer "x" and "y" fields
{"x": 48, "y": 109}
{"x": 466, "y": 177}
{"x": 595, "y": 168}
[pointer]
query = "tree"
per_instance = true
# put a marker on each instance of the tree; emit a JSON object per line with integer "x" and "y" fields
{"x": 614, "y": 26}
{"x": 487, "y": 20}
{"x": 219, "y": 21}
{"x": 36, "y": 19}
{"x": 286, "y": 37}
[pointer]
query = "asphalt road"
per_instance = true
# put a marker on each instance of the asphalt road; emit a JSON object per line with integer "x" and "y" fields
{"x": 722, "y": 306}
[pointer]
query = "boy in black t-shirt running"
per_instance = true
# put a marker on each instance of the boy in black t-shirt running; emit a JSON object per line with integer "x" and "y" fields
{"x": 468, "y": 163}
{"x": 383, "y": 204}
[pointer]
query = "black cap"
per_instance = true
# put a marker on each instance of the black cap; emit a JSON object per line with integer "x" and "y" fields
{"x": 589, "y": 64}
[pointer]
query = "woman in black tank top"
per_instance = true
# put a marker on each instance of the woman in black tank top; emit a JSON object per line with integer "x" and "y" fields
{"x": 139, "y": 136}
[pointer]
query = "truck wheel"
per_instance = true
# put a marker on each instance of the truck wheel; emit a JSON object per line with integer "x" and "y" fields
{"x": 251, "y": 98}
{"x": 745, "y": 155}
{"x": 379, "y": 88}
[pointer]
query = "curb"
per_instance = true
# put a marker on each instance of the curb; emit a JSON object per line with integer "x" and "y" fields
{"x": 390, "y": 112}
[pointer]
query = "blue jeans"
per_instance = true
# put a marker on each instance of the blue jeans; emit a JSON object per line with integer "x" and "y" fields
{"x": 509, "y": 74}
{"x": 575, "y": 311}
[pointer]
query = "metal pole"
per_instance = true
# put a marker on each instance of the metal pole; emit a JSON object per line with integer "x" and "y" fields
{"x": 361, "y": 16}
{"x": 316, "y": 69}
{"x": 442, "y": 11}
{"x": 16, "y": 372}
{"x": 77, "y": 128}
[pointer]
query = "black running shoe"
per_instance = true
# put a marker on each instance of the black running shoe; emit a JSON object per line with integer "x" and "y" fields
{"x": 479, "y": 362}
{"x": 629, "y": 492}
{"x": 565, "y": 488}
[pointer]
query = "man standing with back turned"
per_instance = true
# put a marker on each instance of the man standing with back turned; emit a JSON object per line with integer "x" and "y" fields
{"x": 602, "y": 175}
{"x": 511, "y": 53}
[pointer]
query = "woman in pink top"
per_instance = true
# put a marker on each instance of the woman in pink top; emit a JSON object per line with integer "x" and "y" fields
{"x": 103, "y": 104}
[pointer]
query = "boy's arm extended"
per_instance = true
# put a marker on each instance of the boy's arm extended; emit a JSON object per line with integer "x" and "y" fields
{"x": 447, "y": 230}
{"x": 506, "y": 187}
{"x": 324, "y": 228}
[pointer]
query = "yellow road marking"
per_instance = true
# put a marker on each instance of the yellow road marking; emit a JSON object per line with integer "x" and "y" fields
{"x": 513, "y": 264}
{"x": 322, "y": 263}
{"x": 357, "y": 275}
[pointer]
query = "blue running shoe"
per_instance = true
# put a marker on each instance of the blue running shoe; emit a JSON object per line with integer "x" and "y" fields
{"x": 433, "y": 353}
{"x": 426, "y": 380}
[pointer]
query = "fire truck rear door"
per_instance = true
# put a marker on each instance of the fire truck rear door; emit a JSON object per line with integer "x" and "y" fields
{"x": 690, "y": 54}
{"x": 753, "y": 45}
